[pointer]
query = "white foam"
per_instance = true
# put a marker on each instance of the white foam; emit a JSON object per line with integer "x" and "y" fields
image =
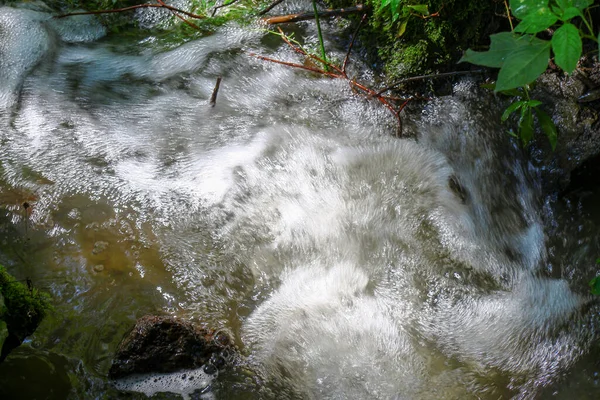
{"x": 24, "y": 42}
{"x": 183, "y": 383}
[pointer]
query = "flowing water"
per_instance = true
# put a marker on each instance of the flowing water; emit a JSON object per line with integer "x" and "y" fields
{"x": 345, "y": 262}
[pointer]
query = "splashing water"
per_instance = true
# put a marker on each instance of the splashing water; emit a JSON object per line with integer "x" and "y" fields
{"x": 349, "y": 263}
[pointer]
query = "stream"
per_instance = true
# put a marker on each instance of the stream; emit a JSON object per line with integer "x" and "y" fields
{"x": 347, "y": 263}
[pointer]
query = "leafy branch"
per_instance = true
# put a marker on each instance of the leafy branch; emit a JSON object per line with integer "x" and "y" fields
{"x": 522, "y": 57}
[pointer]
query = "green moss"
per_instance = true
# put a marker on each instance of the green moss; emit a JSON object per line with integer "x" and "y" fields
{"x": 427, "y": 45}
{"x": 22, "y": 309}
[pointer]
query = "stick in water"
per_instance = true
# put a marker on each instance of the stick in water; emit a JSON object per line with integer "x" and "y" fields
{"x": 26, "y": 206}
{"x": 213, "y": 98}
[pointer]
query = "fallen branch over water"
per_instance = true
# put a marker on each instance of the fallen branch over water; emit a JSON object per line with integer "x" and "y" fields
{"x": 213, "y": 97}
{"x": 423, "y": 77}
{"x": 160, "y": 4}
{"x": 282, "y": 19}
{"x": 334, "y": 71}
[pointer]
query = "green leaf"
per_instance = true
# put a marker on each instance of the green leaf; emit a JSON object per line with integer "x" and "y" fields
{"x": 522, "y": 8}
{"x": 564, "y": 4}
{"x": 533, "y": 103}
{"x": 597, "y": 260}
{"x": 526, "y": 125}
{"x": 422, "y": 9}
{"x": 570, "y": 12}
{"x": 537, "y": 21}
{"x": 511, "y": 109}
{"x": 567, "y": 47}
{"x": 524, "y": 64}
{"x": 502, "y": 44}
{"x": 547, "y": 126}
{"x": 385, "y": 3}
{"x": 394, "y": 4}
{"x": 402, "y": 28}
{"x": 595, "y": 285}
{"x": 581, "y": 4}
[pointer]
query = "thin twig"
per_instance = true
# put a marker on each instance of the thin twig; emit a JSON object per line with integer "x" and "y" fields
{"x": 295, "y": 65}
{"x": 213, "y": 97}
{"x": 300, "y": 50}
{"x": 223, "y": 5}
{"x": 421, "y": 77}
{"x": 189, "y": 23}
{"x": 281, "y": 19}
{"x": 512, "y": 28}
{"x": 147, "y": 5}
{"x": 270, "y": 7}
{"x": 364, "y": 17}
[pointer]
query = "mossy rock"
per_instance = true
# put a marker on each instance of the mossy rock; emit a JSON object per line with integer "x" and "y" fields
{"x": 22, "y": 309}
{"x": 419, "y": 45}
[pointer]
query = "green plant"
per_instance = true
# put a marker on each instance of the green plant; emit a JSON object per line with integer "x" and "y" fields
{"x": 402, "y": 12}
{"x": 522, "y": 57}
{"x": 321, "y": 45}
{"x": 527, "y": 107}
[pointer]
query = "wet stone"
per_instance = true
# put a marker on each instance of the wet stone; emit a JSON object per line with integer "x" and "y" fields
{"x": 210, "y": 369}
{"x": 99, "y": 247}
{"x": 99, "y": 268}
{"x": 162, "y": 344}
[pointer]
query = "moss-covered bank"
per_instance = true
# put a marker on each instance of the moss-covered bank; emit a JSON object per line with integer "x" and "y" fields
{"x": 22, "y": 308}
{"x": 429, "y": 43}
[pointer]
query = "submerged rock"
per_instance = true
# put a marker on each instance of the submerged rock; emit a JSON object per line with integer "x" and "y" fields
{"x": 168, "y": 344}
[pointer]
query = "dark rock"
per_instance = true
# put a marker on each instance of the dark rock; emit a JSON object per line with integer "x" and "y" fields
{"x": 578, "y": 128}
{"x": 165, "y": 344}
{"x": 585, "y": 177}
{"x": 210, "y": 369}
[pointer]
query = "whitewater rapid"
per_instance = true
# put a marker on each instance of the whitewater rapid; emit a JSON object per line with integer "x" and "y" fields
{"x": 366, "y": 266}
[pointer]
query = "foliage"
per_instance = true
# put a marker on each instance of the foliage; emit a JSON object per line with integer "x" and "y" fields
{"x": 415, "y": 42}
{"x": 522, "y": 57}
{"x": 526, "y": 108}
{"x": 173, "y": 30}
{"x": 24, "y": 306}
{"x": 321, "y": 45}
{"x": 401, "y": 12}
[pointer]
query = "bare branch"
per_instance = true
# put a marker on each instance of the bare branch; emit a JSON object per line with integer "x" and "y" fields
{"x": 295, "y": 65}
{"x": 214, "y": 11}
{"x": 281, "y": 19}
{"x": 270, "y": 7}
{"x": 213, "y": 97}
{"x": 364, "y": 17}
{"x": 431, "y": 76}
{"x": 147, "y": 5}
